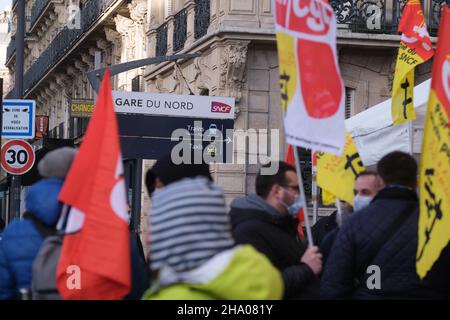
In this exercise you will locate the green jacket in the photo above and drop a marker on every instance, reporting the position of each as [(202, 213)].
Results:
[(241, 273)]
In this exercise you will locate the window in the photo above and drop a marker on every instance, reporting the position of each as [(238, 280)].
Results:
[(349, 102)]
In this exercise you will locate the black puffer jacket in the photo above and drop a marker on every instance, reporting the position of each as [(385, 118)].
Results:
[(355, 245), (255, 222)]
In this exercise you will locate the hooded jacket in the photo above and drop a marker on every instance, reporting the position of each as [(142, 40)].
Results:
[(257, 223), (22, 241), (240, 273)]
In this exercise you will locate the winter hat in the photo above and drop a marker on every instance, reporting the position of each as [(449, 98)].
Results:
[(168, 172), (188, 225), (56, 163)]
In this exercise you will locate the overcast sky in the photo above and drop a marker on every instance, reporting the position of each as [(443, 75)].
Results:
[(4, 3)]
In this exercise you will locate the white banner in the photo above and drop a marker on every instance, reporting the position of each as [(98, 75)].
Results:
[(311, 87), (174, 105)]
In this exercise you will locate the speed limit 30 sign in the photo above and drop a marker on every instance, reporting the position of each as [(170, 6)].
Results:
[(17, 157)]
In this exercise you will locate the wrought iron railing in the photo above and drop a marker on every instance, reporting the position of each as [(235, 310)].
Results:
[(161, 40), (179, 30), (64, 41), (435, 14), (11, 49), (364, 16), (36, 10), (10, 95), (202, 18), (379, 16)]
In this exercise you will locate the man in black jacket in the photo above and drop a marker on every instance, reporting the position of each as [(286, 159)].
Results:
[(374, 254), (264, 221)]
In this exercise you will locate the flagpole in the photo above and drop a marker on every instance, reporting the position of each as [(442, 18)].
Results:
[(339, 212), (314, 190), (302, 195), (411, 137)]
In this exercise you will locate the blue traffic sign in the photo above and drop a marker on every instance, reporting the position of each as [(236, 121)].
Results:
[(18, 119)]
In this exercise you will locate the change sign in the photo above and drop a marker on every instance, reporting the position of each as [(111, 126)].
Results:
[(18, 119), (81, 108)]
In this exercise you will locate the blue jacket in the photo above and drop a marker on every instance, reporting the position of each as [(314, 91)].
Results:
[(396, 259), (21, 240)]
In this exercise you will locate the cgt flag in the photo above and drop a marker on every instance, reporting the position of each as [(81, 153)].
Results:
[(336, 175), (312, 90), (96, 246), (415, 48), (434, 220)]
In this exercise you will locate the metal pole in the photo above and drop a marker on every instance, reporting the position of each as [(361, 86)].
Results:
[(314, 189), (1, 132), (411, 137), (302, 194), (20, 55), (1, 112), (137, 192), (339, 212)]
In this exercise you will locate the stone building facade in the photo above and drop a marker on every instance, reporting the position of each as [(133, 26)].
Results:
[(236, 40)]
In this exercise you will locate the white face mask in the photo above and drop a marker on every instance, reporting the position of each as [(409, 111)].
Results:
[(360, 202)]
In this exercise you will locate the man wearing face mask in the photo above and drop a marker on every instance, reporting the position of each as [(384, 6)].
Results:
[(381, 236), (267, 221), (367, 185)]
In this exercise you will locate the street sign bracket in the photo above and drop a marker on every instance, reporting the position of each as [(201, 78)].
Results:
[(96, 75)]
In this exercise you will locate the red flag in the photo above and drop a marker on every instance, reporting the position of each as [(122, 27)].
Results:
[(301, 218), (95, 256)]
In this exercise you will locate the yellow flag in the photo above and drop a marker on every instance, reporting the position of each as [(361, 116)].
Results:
[(328, 198), (415, 48), (434, 180), (337, 174)]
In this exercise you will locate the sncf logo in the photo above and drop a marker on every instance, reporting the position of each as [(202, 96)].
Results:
[(220, 107)]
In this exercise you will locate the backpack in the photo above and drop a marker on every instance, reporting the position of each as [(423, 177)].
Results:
[(43, 274), (43, 284), (46, 232)]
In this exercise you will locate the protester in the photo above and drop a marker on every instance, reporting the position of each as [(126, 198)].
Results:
[(328, 224), (192, 252), (382, 235), (22, 239), (266, 221), (165, 171), (367, 185)]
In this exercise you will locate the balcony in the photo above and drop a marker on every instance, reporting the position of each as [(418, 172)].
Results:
[(202, 18), (37, 10), (64, 41), (161, 40), (10, 50), (380, 16), (179, 30), (435, 14), (187, 25)]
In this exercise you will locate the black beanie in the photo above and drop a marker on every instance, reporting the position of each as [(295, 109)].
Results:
[(168, 172)]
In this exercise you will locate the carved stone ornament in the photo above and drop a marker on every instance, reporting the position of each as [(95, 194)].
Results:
[(138, 11), (201, 76), (232, 70)]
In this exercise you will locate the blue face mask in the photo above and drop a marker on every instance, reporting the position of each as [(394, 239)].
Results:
[(294, 207), (360, 202)]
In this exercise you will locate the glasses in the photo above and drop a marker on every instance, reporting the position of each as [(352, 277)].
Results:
[(293, 188)]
